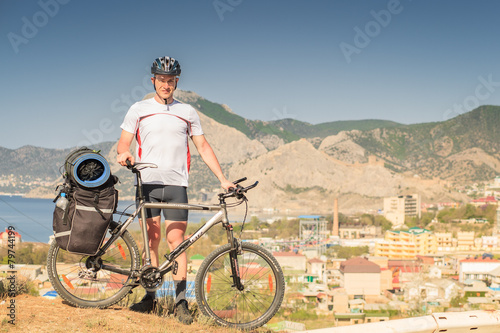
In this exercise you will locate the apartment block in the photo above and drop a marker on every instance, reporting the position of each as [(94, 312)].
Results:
[(396, 208), (444, 240), (465, 240), (407, 244)]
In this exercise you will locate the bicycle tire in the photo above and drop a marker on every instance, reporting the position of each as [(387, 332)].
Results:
[(256, 304), (66, 273)]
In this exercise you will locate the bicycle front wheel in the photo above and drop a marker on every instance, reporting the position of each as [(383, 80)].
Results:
[(252, 307), (89, 281)]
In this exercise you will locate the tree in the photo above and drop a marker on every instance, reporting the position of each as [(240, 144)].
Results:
[(347, 252), (380, 220)]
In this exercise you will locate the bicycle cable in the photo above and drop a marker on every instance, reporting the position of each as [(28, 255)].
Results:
[(244, 217), (124, 212)]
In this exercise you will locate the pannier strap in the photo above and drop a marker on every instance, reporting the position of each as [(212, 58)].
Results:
[(96, 203), (93, 209)]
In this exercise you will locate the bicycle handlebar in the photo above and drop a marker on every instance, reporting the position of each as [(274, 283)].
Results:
[(240, 180), (239, 191)]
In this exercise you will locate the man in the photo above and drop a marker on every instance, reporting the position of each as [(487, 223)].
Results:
[(161, 127)]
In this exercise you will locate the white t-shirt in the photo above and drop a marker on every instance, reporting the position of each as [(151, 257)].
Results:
[(162, 133)]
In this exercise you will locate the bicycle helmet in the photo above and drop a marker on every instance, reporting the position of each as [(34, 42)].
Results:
[(166, 66)]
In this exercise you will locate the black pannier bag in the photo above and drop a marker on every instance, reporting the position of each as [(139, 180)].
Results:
[(92, 199)]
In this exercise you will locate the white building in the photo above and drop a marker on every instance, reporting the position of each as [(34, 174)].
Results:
[(291, 260), (476, 269), (396, 208)]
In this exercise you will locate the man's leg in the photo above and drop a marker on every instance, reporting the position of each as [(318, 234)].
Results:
[(154, 234), (175, 235)]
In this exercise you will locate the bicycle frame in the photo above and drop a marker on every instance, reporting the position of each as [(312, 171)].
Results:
[(243, 297), (166, 266)]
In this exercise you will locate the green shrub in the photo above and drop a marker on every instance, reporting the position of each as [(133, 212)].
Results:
[(303, 315)]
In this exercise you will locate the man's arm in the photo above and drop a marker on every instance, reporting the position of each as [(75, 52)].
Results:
[(123, 148), (208, 156)]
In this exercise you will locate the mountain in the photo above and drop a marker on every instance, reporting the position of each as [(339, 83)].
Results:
[(299, 177), (465, 148), (275, 133), (303, 167), (306, 130)]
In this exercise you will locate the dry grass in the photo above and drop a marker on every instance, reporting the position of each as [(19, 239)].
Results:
[(38, 314)]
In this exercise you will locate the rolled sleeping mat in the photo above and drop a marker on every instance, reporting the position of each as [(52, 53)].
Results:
[(87, 168)]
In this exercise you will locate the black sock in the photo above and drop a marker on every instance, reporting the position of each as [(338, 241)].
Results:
[(180, 290)]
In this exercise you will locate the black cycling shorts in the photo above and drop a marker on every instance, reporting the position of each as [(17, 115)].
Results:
[(169, 194)]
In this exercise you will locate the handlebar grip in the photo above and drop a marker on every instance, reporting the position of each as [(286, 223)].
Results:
[(240, 180), (129, 165), (251, 186)]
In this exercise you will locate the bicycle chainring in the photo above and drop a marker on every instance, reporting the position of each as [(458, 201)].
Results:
[(150, 278)]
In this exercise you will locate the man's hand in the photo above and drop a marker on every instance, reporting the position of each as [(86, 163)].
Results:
[(123, 157), (226, 184)]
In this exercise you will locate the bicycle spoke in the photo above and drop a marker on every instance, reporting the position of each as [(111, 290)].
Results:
[(248, 308), (94, 281)]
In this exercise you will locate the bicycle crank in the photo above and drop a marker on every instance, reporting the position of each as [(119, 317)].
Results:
[(150, 278)]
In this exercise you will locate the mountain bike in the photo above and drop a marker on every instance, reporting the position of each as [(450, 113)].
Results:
[(239, 284)]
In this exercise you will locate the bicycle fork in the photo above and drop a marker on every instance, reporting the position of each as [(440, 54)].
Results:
[(233, 255)]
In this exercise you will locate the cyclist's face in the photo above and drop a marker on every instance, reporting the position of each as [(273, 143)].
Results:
[(165, 85)]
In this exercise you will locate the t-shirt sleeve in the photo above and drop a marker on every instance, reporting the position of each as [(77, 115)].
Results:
[(195, 123), (130, 122)]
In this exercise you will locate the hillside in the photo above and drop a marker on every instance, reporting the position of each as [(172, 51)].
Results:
[(281, 131), (300, 178), (465, 148), (306, 130), (304, 167)]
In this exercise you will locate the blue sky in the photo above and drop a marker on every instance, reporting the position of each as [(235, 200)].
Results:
[(70, 68)]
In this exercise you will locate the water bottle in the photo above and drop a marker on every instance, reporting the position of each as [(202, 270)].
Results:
[(62, 202)]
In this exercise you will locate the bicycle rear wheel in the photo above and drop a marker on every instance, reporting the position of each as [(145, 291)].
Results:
[(252, 307), (87, 281)]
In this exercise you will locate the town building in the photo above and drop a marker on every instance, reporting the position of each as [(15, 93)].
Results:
[(291, 261), (493, 189), (316, 267), (356, 231), (400, 244), (465, 240), (396, 208), (478, 269), (444, 240), (360, 277), (489, 200)]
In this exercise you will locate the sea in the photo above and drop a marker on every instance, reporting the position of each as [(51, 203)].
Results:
[(32, 218)]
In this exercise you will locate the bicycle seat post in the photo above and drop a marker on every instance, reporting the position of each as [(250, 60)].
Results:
[(140, 193)]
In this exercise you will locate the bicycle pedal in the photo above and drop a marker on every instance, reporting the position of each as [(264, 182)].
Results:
[(175, 267)]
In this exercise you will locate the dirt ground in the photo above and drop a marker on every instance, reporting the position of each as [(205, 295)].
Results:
[(38, 314)]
